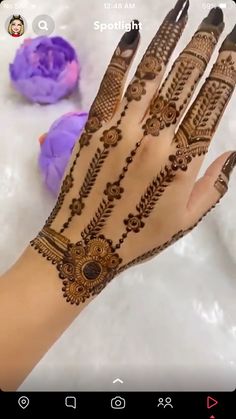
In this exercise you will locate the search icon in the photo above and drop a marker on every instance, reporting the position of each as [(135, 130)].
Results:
[(43, 25)]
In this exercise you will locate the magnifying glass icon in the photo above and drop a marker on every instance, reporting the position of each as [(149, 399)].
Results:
[(43, 25)]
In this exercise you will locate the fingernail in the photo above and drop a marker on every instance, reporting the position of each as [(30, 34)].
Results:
[(229, 165), (179, 11), (131, 36), (221, 183), (215, 17), (214, 22), (229, 43), (232, 35)]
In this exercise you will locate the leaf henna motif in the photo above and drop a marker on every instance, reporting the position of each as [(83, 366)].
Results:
[(154, 191), (97, 223)]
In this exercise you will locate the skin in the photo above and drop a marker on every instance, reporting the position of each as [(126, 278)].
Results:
[(135, 192), (16, 26)]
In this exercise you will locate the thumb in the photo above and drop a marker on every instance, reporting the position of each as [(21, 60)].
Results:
[(210, 188)]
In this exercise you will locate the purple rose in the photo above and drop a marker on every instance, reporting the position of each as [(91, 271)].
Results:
[(57, 146), (45, 69)]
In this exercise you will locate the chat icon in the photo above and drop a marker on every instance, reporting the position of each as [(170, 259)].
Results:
[(70, 401)]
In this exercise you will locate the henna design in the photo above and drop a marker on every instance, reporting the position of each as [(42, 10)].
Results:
[(92, 125), (158, 48), (97, 223), (159, 51), (135, 90), (221, 184), (104, 105), (92, 172), (167, 106), (112, 191), (85, 268), (110, 90), (163, 44), (195, 133), (110, 138), (50, 244), (155, 251), (147, 203)]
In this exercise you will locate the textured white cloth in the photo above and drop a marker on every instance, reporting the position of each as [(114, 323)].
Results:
[(169, 324)]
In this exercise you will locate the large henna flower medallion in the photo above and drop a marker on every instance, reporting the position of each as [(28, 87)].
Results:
[(87, 268)]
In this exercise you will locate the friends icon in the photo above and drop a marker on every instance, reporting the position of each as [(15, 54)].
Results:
[(166, 403)]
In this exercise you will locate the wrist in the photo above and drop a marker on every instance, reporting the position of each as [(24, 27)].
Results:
[(84, 268), (33, 315)]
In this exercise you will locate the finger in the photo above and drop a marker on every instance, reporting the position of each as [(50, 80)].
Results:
[(209, 189), (151, 69), (169, 105), (112, 85), (198, 127)]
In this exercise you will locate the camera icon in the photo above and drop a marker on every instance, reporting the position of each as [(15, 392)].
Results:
[(118, 403)]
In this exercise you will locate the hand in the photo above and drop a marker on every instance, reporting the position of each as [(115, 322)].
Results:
[(130, 189)]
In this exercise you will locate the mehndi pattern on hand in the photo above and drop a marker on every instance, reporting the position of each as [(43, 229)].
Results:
[(88, 265)]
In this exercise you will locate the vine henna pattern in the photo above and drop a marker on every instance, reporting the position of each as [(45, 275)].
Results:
[(102, 108), (87, 266), (159, 51)]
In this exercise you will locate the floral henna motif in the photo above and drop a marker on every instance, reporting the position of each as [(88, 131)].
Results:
[(135, 90), (76, 206), (163, 114), (85, 268), (111, 137), (113, 191)]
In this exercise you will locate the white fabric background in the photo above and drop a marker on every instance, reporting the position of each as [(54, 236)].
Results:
[(169, 324)]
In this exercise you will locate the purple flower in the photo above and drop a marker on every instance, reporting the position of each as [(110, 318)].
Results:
[(45, 69), (57, 146)]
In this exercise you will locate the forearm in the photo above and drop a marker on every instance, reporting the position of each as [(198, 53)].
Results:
[(33, 315)]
